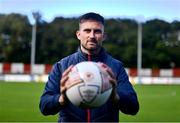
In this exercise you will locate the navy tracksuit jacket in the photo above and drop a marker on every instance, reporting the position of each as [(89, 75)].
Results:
[(108, 112)]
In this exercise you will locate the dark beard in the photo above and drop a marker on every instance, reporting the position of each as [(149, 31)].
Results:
[(92, 50)]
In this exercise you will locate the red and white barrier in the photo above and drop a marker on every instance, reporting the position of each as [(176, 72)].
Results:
[(17, 68), (147, 72), (155, 80), (21, 72), (20, 68), (166, 72), (24, 78), (1, 68), (40, 69)]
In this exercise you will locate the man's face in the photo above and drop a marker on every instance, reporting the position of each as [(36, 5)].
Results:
[(91, 36)]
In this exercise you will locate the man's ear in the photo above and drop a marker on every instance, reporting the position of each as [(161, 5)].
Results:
[(104, 36), (78, 34)]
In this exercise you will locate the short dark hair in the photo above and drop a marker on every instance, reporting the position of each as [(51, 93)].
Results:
[(91, 16)]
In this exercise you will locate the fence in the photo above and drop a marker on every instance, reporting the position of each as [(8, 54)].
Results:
[(21, 72)]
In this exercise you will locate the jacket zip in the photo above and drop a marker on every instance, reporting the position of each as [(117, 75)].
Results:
[(88, 110)]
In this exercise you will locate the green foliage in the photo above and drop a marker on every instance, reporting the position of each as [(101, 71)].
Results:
[(15, 38), (57, 39)]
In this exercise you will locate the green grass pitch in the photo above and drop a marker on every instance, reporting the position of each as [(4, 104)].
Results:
[(20, 102)]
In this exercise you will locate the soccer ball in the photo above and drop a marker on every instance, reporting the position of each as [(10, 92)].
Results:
[(89, 86)]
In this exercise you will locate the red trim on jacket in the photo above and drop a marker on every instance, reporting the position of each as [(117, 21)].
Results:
[(88, 110)]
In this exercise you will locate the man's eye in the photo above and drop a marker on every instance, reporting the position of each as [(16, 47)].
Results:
[(87, 30), (98, 31)]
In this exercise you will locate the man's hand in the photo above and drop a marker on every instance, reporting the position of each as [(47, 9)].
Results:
[(63, 88), (112, 80)]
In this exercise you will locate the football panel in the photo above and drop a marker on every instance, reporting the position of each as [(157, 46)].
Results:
[(89, 72), (73, 95), (101, 98)]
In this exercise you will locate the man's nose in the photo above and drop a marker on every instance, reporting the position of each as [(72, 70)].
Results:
[(92, 34)]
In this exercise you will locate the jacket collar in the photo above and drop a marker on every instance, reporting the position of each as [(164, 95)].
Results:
[(97, 58)]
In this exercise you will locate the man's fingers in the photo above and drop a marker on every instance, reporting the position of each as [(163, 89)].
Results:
[(113, 82), (110, 72), (63, 80), (66, 72), (62, 99), (108, 69), (74, 82), (112, 78), (63, 90), (65, 76)]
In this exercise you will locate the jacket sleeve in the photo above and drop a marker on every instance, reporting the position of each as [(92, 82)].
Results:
[(128, 102), (49, 101)]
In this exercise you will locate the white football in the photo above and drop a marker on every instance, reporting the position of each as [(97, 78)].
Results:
[(89, 85)]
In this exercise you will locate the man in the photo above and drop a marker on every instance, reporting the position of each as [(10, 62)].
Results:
[(123, 97)]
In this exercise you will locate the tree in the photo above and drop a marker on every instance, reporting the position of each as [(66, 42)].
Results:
[(17, 27), (57, 39)]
